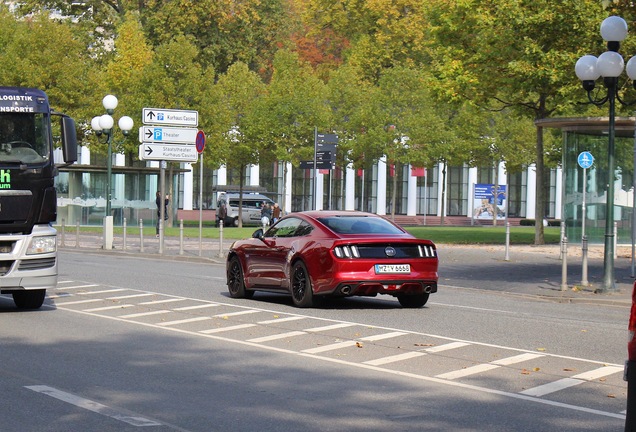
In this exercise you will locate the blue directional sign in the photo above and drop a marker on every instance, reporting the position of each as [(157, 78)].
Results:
[(585, 159)]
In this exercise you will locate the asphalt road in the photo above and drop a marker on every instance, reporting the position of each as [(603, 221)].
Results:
[(128, 341)]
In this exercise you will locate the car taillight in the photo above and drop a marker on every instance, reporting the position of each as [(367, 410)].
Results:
[(346, 251), (631, 341)]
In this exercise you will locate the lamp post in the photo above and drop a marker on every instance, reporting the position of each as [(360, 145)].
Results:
[(608, 65), (103, 125)]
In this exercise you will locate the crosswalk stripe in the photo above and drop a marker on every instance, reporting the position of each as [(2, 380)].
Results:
[(244, 312), (183, 321), (460, 373), (382, 336), (105, 308), (142, 314), (77, 302), (446, 347), (163, 301), (187, 308), (279, 320), (129, 296), (552, 387), (330, 347), (329, 327), (598, 373)]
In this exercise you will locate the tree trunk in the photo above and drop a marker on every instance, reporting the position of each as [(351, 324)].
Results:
[(241, 183)]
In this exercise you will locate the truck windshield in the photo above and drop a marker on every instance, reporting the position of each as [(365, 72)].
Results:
[(24, 138)]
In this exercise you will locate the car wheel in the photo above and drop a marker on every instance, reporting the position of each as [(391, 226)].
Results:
[(236, 221), (236, 281), (29, 299), (413, 300), (302, 293)]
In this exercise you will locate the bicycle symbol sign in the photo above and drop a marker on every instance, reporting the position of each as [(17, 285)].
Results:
[(585, 159)]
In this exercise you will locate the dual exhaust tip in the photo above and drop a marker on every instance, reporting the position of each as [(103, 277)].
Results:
[(347, 289)]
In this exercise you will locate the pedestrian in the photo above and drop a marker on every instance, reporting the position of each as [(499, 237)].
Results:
[(266, 214), (275, 213), (165, 209), (221, 213)]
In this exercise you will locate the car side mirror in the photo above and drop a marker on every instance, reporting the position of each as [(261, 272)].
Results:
[(258, 234)]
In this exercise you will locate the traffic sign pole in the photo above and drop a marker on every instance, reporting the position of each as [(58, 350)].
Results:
[(585, 161)]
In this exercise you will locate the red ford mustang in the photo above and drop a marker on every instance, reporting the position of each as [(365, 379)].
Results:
[(334, 253)]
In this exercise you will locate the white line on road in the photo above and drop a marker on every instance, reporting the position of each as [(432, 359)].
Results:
[(143, 314), (184, 321), (105, 308), (244, 312), (564, 383), (277, 336), (446, 347), (201, 306), (230, 328), (93, 406), (484, 367), (278, 320), (394, 358), (330, 327)]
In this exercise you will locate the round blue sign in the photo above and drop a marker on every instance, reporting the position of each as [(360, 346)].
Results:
[(200, 141), (585, 159)]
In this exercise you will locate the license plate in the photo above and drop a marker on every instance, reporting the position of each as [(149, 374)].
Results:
[(392, 268)]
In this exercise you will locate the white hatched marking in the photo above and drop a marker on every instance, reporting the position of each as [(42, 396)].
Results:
[(564, 383), (488, 366), (62, 295), (103, 291), (245, 312), (517, 359), (598, 373), (80, 286), (330, 347), (394, 358), (277, 320), (330, 327), (105, 308), (141, 314), (92, 406), (230, 328), (187, 308), (77, 302), (552, 387), (277, 336), (163, 301), (130, 296), (183, 321), (467, 371), (382, 336), (446, 347)]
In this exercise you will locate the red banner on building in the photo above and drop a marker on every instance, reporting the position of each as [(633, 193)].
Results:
[(418, 172)]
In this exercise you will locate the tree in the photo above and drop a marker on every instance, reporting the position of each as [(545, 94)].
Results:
[(517, 55), (236, 95)]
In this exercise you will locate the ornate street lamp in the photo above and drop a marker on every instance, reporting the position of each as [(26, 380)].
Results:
[(104, 125), (608, 65)]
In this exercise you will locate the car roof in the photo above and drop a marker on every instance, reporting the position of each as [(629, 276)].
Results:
[(315, 215)]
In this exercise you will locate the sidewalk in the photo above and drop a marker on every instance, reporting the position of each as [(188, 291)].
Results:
[(534, 271)]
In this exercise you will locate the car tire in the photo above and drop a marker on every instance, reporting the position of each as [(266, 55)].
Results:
[(236, 281), (235, 222), (413, 301), (301, 290), (29, 299)]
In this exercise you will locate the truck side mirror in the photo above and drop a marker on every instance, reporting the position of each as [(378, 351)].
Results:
[(69, 139)]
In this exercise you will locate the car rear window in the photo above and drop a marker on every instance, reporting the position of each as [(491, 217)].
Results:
[(359, 225)]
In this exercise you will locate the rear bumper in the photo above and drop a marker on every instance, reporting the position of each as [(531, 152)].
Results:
[(393, 287)]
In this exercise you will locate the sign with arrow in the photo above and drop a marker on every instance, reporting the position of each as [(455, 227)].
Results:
[(168, 152), (173, 117), (148, 134)]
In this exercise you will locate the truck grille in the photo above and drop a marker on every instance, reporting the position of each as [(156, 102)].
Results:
[(37, 264), (6, 246)]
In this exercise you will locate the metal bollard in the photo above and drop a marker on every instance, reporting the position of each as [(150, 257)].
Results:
[(507, 257), (181, 237), (77, 233), (125, 237), (584, 281), (221, 238), (564, 266), (141, 235), (62, 234), (562, 237), (615, 240)]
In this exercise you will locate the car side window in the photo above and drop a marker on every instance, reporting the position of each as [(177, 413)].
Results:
[(303, 229), (284, 228)]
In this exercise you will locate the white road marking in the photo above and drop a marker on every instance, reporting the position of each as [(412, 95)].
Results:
[(278, 320), (162, 301), (456, 343), (78, 302), (244, 312), (129, 296), (564, 383), (382, 336), (230, 328), (446, 347), (79, 286), (184, 321), (484, 367), (93, 406), (103, 291), (277, 336), (105, 308), (330, 327), (394, 358), (142, 314), (201, 306), (330, 347)]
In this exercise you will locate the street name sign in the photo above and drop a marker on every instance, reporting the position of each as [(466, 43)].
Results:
[(162, 116), (168, 151), (150, 134)]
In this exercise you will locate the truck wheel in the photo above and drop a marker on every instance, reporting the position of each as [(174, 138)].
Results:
[(236, 221), (29, 299)]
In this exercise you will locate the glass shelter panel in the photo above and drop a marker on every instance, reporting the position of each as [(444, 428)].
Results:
[(591, 185)]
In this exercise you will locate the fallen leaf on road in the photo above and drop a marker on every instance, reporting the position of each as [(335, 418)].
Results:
[(568, 370), (611, 396), (358, 344), (525, 372), (540, 349), (422, 344)]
